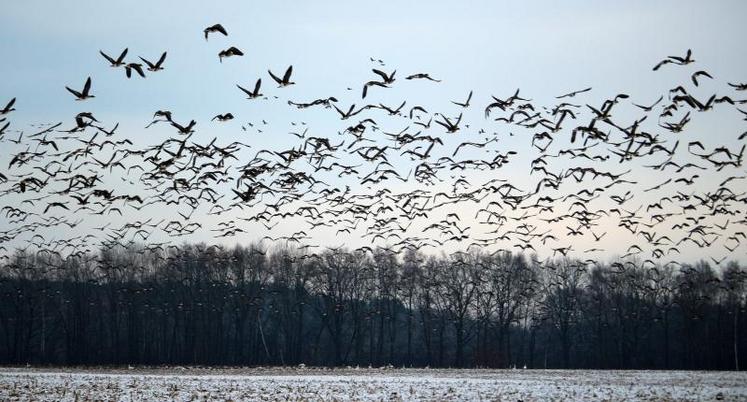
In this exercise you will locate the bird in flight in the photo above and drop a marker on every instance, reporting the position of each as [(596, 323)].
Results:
[(155, 66), (697, 74), (387, 79), (223, 117), (8, 108), (450, 127), (85, 94), (182, 129), (215, 28), (421, 76), (649, 108), (286, 78), (252, 94), (370, 84), (231, 51), (465, 104), (137, 67), (119, 62), (681, 61), (574, 93)]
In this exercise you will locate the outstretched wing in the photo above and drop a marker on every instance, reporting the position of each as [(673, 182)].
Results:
[(278, 80), (381, 74), (246, 91), (161, 60), (74, 92), (106, 56), (10, 104), (87, 86), (151, 65), (122, 56)]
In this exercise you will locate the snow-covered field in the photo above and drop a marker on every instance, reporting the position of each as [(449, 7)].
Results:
[(301, 384)]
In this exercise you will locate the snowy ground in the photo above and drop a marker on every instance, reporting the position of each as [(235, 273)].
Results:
[(300, 384)]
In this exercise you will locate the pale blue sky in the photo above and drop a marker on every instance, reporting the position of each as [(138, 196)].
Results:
[(545, 48)]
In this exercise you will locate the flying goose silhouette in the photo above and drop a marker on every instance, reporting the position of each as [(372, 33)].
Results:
[(85, 94), (286, 78), (157, 65), (215, 28)]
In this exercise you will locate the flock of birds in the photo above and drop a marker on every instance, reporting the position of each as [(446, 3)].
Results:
[(583, 162)]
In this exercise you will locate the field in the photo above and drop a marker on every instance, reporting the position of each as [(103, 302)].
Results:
[(302, 384)]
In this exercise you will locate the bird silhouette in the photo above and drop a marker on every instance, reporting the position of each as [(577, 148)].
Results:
[(230, 52), (214, 28), (286, 77), (85, 93), (157, 66), (118, 62), (252, 94)]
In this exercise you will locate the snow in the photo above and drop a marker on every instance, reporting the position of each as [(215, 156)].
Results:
[(302, 384)]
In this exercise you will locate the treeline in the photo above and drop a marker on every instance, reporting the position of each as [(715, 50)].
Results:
[(203, 305)]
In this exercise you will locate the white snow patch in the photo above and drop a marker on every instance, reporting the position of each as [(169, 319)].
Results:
[(301, 384)]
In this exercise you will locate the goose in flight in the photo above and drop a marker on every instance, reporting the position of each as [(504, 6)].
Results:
[(8, 108), (681, 61), (215, 28), (155, 66), (421, 76), (231, 51), (649, 108), (223, 117), (697, 74), (349, 113), (85, 94), (465, 104), (252, 94), (286, 77), (370, 84), (182, 129), (118, 62), (387, 79), (574, 93), (137, 67), (450, 127)]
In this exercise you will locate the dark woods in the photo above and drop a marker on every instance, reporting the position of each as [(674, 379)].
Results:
[(248, 306)]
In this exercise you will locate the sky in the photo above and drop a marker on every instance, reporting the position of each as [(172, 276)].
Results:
[(546, 48)]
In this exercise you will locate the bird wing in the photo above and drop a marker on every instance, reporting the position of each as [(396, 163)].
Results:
[(161, 60), (151, 65), (381, 74), (246, 91), (87, 86), (122, 56), (274, 77), (139, 70), (107, 57), (257, 86), (74, 92), (288, 73)]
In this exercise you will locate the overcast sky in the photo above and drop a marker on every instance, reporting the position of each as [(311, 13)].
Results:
[(545, 48)]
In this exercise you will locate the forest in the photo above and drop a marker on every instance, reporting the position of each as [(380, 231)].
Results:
[(196, 304)]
